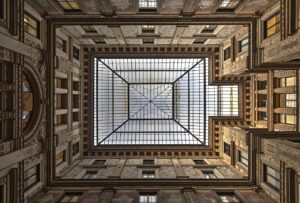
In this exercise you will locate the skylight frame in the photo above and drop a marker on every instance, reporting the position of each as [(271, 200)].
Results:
[(208, 139)]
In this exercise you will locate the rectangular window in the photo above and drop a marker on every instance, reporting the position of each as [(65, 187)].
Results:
[(209, 28), (244, 44), (227, 148), (99, 41), (148, 174), (287, 119), (2, 9), (148, 41), (262, 100), (243, 157), (209, 174), (228, 197), (290, 100), (288, 81), (227, 53), (262, 85), (1, 193), (148, 29), (70, 197), (272, 25), (199, 162), (60, 158), (271, 177), (69, 5), (76, 53), (75, 148), (148, 161), (89, 29), (61, 44), (31, 25), (200, 40), (99, 162), (148, 197), (262, 116), (90, 175), (147, 5), (229, 5), (31, 176)]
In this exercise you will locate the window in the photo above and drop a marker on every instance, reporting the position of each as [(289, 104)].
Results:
[(262, 100), (209, 28), (147, 3), (262, 85), (75, 53), (31, 176), (2, 9), (148, 198), (243, 157), (70, 197), (28, 101), (89, 29), (61, 44), (1, 193), (262, 116), (60, 158), (31, 25), (148, 162), (200, 40), (69, 5), (227, 53), (148, 41), (90, 175), (290, 100), (99, 162), (228, 5), (227, 148), (75, 148), (243, 44), (287, 119), (288, 81), (272, 25), (271, 177), (148, 28), (209, 174), (99, 41), (148, 174), (199, 162), (228, 197)]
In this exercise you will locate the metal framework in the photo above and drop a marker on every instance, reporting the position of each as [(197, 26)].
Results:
[(156, 101)]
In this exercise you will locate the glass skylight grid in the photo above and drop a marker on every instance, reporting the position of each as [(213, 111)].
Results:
[(157, 101)]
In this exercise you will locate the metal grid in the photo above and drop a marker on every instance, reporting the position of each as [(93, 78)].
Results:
[(157, 101)]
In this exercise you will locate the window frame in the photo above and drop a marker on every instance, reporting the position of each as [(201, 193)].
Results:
[(76, 143), (36, 29), (227, 53), (37, 174), (243, 47), (89, 28), (64, 44), (265, 177), (147, 8), (63, 158), (148, 174), (209, 28), (225, 146), (147, 195), (277, 23), (241, 158), (148, 162)]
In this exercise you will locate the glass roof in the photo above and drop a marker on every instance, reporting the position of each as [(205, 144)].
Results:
[(156, 101)]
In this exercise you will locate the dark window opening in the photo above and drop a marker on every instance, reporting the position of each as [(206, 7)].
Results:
[(209, 174), (148, 162), (76, 53), (148, 29), (262, 85), (2, 11), (148, 41), (148, 174), (199, 162), (227, 53), (262, 116), (243, 157), (227, 149), (99, 162), (60, 158), (200, 40), (209, 28), (75, 148)]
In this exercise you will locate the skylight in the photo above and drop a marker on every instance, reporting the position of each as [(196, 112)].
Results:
[(156, 101)]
